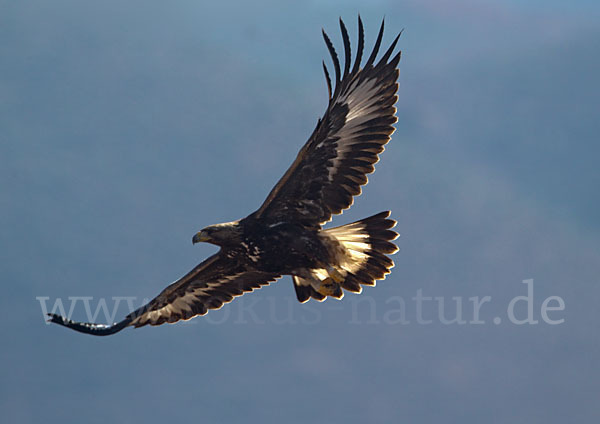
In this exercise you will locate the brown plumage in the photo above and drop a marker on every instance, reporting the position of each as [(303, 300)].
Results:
[(284, 236)]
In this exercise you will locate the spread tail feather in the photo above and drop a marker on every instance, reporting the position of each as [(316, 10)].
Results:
[(361, 259)]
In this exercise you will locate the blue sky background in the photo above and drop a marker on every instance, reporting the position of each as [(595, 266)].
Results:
[(125, 127)]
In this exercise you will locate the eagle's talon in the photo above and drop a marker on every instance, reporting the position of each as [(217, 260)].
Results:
[(328, 287)]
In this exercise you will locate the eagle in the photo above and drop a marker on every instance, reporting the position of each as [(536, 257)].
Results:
[(285, 236)]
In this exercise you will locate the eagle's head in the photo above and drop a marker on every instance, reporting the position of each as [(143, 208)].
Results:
[(227, 233)]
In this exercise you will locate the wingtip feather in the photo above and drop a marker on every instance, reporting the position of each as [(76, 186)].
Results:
[(371, 59), (347, 49), (334, 57)]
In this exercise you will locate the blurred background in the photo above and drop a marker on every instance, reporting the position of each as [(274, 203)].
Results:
[(125, 127)]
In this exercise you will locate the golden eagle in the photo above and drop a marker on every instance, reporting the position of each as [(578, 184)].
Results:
[(284, 236)]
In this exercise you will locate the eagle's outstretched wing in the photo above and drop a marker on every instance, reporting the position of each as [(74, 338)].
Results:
[(214, 282), (333, 165)]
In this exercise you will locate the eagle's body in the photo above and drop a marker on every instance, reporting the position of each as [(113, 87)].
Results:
[(282, 247), (285, 235), (271, 247)]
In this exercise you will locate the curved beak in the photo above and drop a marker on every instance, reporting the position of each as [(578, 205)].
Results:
[(200, 236)]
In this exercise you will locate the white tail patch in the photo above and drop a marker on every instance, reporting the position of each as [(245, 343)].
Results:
[(353, 248)]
